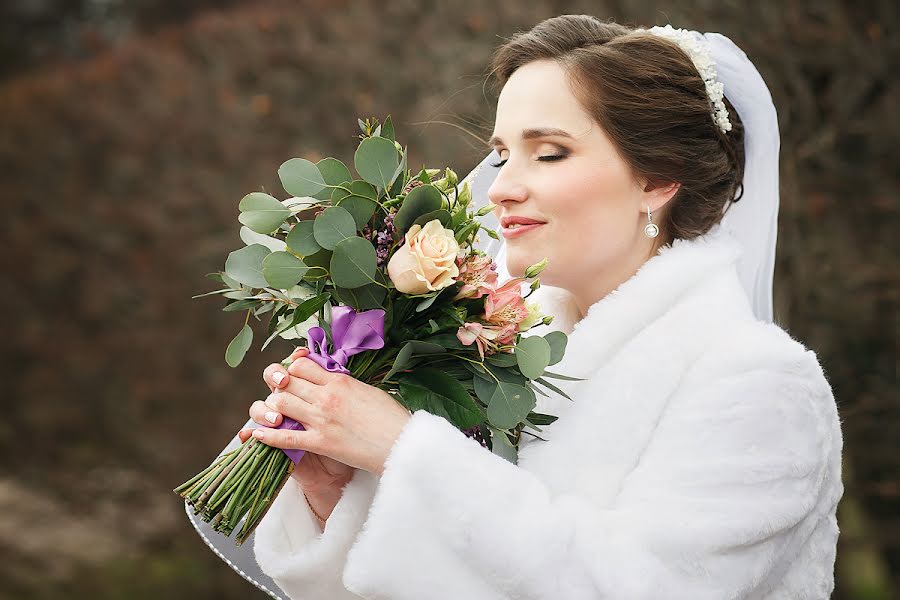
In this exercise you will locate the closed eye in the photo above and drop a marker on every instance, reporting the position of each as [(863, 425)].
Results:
[(550, 158)]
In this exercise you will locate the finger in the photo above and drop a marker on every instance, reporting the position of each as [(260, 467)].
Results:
[(309, 370), (275, 376), (289, 405), (304, 390), (298, 352), (287, 439), (264, 415), (245, 434)]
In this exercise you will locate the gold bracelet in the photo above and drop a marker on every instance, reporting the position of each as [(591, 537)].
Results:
[(321, 520)]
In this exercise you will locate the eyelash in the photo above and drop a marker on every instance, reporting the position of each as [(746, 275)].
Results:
[(552, 158)]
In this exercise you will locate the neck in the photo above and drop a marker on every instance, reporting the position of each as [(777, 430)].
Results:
[(588, 290)]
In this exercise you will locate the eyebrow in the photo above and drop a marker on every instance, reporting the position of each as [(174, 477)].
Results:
[(536, 132)]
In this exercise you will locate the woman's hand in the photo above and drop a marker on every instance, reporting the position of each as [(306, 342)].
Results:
[(316, 474), (346, 420)]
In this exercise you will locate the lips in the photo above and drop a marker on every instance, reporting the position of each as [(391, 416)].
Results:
[(507, 222), (516, 226)]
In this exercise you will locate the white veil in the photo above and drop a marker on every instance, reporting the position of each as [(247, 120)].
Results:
[(752, 220)]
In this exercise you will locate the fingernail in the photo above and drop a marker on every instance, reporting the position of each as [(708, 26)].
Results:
[(278, 377), (271, 416), (258, 434)]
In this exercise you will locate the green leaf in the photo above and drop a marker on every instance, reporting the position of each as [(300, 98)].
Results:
[(441, 215), (410, 349), (239, 305), (549, 385), (533, 356), (375, 160), (419, 201), (318, 264), (245, 265), (510, 404), (250, 237), (283, 270), (440, 394), (541, 419), (563, 377), (333, 225), (261, 212), (354, 263), (361, 208), (399, 177), (502, 447), (304, 311), (557, 341), (363, 298), (301, 238), (502, 359), (300, 177), (334, 172), (387, 129), (238, 347)]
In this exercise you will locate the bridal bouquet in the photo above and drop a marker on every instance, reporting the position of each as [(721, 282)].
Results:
[(379, 274)]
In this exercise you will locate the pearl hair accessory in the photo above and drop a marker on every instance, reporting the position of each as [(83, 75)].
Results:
[(706, 66)]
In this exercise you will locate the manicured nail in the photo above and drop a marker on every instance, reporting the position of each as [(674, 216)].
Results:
[(277, 377), (258, 434), (271, 416)]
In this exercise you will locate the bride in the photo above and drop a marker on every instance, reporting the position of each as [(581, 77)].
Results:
[(701, 454)]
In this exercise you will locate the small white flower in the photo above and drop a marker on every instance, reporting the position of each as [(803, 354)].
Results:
[(706, 66)]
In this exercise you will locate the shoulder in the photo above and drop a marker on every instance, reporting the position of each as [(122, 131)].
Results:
[(759, 372)]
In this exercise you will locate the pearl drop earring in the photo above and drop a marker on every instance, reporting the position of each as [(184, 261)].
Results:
[(650, 229)]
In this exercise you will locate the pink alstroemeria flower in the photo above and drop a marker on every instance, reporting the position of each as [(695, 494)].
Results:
[(488, 338), (505, 305), (478, 273)]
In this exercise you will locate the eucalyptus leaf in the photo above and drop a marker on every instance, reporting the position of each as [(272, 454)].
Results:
[(361, 208), (510, 404), (354, 263), (332, 226), (557, 341), (502, 359), (239, 305), (283, 270), (375, 160), (302, 240), (245, 265), (419, 201), (550, 386), (212, 293), (238, 347), (261, 212), (387, 129), (301, 177), (502, 447), (334, 172), (319, 263), (533, 356), (250, 237)]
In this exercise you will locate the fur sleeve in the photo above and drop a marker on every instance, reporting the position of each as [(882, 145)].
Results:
[(723, 497), (291, 548)]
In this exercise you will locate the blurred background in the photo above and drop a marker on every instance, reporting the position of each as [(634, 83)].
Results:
[(129, 131)]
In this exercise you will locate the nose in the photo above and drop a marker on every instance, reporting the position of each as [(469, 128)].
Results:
[(507, 187)]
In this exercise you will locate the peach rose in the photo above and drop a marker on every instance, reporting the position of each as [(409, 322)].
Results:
[(427, 261)]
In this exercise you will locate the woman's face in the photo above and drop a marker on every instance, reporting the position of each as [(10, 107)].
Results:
[(572, 181)]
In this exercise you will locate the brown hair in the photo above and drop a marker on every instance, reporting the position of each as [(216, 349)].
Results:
[(650, 100)]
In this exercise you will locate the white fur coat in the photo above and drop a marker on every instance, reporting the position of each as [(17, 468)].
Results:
[(700, 459)]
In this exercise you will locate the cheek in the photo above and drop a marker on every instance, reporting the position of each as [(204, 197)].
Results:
[(591, 222)]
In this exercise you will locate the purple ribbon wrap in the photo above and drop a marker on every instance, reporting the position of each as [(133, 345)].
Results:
[(351, 333)]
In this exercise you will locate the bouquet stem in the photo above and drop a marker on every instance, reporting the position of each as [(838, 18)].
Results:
[(241, 483)]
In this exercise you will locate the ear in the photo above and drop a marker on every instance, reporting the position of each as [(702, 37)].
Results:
[(656, 196)]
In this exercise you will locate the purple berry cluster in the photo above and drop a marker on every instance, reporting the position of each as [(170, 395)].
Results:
[(475, 434), (384, 239)]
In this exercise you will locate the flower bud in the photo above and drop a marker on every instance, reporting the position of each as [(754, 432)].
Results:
[(485, 210), (535, 285), (548, 319), (535, 269), (451, 177)]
